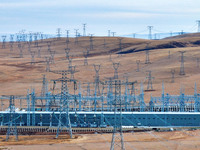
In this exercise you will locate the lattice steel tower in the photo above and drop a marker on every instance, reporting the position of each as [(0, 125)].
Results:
[(116, 66), (4, 41), (150, 32), (64, 102), (12, 127), (84, 29), (76, 36), (117, 136), (97, 80), (150, 81), (85, 54), (32, 57), (58, 33), (182, 71)]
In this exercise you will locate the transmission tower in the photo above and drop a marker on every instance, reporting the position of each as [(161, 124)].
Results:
[(85, 54), (91, 42), (147, 57), (44, 86), (113, 33), (30, 37), (138, 65), (150, 32), (84, 29), (58, 33), (198, 22), (11, 42), (67, 40), (134, 35), (20, 46), (32, 57), (49, 45), (47, 64), (116, 66), (97, 80), (72, 71), (198, 60), (12, 127), (29, 46), (52, 53), (182, 71), (76, 36), (64, 102), (108, 33), (173, 73), (36, 39), (67, 50), (117, 136), (4, 41), (150, 81)]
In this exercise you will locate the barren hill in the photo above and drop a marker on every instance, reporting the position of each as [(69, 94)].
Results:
[(23, 67)]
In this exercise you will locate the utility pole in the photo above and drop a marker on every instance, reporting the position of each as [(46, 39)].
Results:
[(84, 29), (150, 81), (150, 32), (182, 71)]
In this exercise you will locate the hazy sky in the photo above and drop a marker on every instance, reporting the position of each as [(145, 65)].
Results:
[(121, 16)]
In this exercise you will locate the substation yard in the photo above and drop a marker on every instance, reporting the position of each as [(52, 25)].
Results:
[(18, 75)]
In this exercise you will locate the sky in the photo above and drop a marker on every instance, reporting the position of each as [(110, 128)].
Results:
[(120, 16)]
